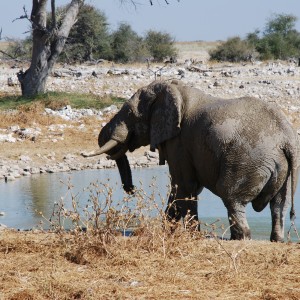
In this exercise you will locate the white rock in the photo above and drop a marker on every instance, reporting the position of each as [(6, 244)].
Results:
[(10, 178), (24, 158), (7, 138)]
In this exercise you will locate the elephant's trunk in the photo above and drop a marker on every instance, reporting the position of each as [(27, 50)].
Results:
[(125, 173), (105, 148)]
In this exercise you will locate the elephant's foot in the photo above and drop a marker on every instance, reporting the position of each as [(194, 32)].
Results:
[(239, 232), (239, 227), (277, 237)]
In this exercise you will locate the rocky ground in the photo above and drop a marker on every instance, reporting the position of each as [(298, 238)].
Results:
[(56, 146)]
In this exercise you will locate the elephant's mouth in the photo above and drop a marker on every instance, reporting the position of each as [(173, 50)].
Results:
[(118, 153)]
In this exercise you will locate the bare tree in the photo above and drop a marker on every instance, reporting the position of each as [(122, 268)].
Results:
[(47, 42)]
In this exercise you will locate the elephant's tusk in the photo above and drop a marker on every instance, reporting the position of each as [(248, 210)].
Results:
[(106, 147)]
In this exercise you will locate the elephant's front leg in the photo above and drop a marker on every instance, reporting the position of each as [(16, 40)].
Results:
[(239, 227), (182, 206)]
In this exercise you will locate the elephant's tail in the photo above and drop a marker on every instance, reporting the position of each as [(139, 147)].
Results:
[(292, 158)]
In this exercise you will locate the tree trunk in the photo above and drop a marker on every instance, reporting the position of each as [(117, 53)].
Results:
[(47, 45)]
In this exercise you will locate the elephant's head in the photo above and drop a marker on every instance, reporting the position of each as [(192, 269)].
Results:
[(151, 116)]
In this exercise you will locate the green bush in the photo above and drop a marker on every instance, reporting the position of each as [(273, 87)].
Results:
[(234, 50), (89, 38), (160, 45), (279, 40), (127, 46)]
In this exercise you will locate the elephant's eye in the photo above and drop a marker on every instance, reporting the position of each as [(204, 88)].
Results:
[(130, 113)]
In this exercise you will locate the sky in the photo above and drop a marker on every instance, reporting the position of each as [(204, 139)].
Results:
[(185, 20)]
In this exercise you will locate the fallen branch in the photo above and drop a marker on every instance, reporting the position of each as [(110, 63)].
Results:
[(10, 56), (197, 69)]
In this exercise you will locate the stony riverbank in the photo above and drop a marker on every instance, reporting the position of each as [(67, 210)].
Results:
[(25, 166), (34, 162)]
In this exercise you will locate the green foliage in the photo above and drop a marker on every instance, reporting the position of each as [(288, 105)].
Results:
[(89, 38), (126, 45), (279, 40), (280, 24), (234, 50), (160, 45)]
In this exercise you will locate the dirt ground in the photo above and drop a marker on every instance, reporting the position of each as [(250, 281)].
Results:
[(52, 147)]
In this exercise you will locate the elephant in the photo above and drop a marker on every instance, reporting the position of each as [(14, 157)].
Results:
[(242, 150)]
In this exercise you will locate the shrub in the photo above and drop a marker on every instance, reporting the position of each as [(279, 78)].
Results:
[(234, 50), (160, 45), (89, 38), (126, 45), (279, 40)]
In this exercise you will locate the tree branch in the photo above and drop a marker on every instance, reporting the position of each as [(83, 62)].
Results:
[(151, 2), (10, 56), (25, 16), (33, 18), (64, 29), (53, 13)]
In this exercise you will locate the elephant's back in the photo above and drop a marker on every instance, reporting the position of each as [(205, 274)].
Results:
[(243, 123)]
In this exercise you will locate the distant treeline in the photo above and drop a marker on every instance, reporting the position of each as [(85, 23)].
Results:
[(91, 39), (279, 40)]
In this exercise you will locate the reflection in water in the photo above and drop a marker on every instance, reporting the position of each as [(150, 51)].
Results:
[(38, 194), (23, 199)]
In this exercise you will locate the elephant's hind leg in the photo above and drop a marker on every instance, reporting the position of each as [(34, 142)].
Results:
[(272, 186), (279, 205), (239, 227)]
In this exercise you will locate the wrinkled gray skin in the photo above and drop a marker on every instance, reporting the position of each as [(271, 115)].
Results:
[(243, 150)]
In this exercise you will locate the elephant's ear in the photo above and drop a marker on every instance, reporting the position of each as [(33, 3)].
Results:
[(166, 113)]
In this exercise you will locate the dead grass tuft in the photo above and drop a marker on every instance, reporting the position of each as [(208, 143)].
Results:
[(56, 104), (28, 115)]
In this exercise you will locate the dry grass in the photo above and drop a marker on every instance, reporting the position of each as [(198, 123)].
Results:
[(46, 266), (197, 51), (4, 45), (73, 140), (28, 115)]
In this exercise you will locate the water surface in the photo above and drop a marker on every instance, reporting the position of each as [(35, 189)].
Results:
[(23, 200)]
